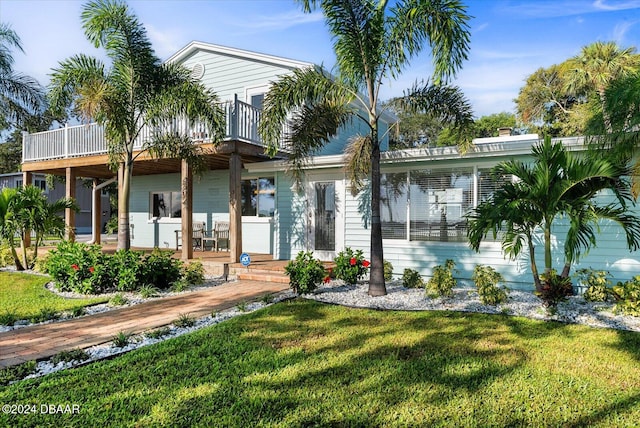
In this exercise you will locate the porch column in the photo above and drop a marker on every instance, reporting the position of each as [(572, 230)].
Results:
[(235, 207), (186, 188), (69, 213), (96, 195), (27, 178)]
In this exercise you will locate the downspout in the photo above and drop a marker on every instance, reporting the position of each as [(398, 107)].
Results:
[(94, 196)]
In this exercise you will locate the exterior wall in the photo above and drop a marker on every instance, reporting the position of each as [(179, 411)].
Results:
[(83, 199)]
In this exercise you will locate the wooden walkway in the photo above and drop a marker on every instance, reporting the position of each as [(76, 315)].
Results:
[(43, 341)]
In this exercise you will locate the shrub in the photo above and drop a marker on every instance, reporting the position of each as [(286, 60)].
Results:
[(597, 283), (388, 270), (148, 290), (627, 295), (487, 279), (242, 306), (70, 356), (184, 321), (121, 339), (554, 289), (111, 226), (118, 300), (193, 273), (412, 279), (160, 269), (158, 333), (180, 285), (350, 266), (305, 273), (128, 265), (78, 311), (442, 282), (6, 257), (79, 267)]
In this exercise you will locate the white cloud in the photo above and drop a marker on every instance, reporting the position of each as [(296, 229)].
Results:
[(280, 21), (165, 42), (556, 9), (621, 29), (616, 5)]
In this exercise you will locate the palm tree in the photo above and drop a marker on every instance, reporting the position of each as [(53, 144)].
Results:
[(135, 92), (20, 95), (373, 41), (557, 184), (27, 210), (596, 66)]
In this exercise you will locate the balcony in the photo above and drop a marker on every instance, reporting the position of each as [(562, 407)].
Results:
[(88, 140)]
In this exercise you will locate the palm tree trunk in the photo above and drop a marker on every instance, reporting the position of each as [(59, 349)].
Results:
[(23, 247), (16, 259), (534, 266), (376, 277), (124, 187), (566, 270), (548, 264)]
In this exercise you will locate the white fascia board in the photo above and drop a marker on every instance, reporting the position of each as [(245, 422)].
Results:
[(225, 50), (501, 149)]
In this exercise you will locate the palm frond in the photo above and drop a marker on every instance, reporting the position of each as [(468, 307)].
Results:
[(358, 161)]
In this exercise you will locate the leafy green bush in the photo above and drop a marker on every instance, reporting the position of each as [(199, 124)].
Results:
[(121, 339), (627, 295), (305, 272), (8, 318), (160, 269), (350, 266), (6, 257), (128, 266), (118, 300), (111, 226), (193, 272), (487, 279), (158, 333), (597, 282), (180, 285), (388, 270), (148, 290), (412, 279), (442, 282), (78, 267), (554, 289)]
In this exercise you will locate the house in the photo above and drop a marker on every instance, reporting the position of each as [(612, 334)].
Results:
[(83, 198), (425, 193)]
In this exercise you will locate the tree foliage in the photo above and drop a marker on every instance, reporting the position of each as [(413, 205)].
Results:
[(374, 40), (557, 184), (562, 98), (20, 95), (134, 92)]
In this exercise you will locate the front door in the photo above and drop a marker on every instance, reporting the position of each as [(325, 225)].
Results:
[(324, 219)]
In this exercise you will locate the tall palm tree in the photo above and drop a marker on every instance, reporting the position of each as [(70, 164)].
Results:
[(374, 41), (20, 95), (557, 184), (596, 66), (135, 92)]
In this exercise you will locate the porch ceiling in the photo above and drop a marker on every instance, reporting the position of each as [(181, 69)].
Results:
[(216, 157)]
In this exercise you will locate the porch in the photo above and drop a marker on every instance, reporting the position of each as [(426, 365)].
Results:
[(81, 152)]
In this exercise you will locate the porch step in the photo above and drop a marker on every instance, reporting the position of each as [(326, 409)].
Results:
[(264, 275)]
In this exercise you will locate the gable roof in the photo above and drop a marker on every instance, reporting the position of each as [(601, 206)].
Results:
[(195, 46)]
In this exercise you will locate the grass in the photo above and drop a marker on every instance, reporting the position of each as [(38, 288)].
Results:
[(303, 363), (25, 296)]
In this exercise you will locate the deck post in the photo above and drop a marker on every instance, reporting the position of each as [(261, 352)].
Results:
[(96, 199), (186, 188), (235, 207), (66, 140), (27, 178), (69, 213)]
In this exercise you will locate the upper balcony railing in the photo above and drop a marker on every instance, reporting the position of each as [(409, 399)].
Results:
[(242, 121)]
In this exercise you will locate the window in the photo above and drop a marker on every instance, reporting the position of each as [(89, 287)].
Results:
[(19, 183), (393, 205), (166, 204), (258, 197), (41, 184), (439, 200)]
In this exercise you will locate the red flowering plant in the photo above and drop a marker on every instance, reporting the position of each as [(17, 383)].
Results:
[(350, 265)]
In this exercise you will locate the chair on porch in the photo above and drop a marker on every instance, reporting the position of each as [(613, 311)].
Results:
[(198, 236), (219, 234)]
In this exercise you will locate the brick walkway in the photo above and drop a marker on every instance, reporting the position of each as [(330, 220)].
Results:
[(43, 341)]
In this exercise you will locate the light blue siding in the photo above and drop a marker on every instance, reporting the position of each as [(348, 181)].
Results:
[(290, 225)]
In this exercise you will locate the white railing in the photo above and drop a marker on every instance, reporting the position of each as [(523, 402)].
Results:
[(242, 122)]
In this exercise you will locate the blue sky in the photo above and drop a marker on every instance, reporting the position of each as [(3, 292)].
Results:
[(510, 39)]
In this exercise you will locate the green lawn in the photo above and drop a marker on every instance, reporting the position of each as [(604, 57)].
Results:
[(307, 364), (25, 296)]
